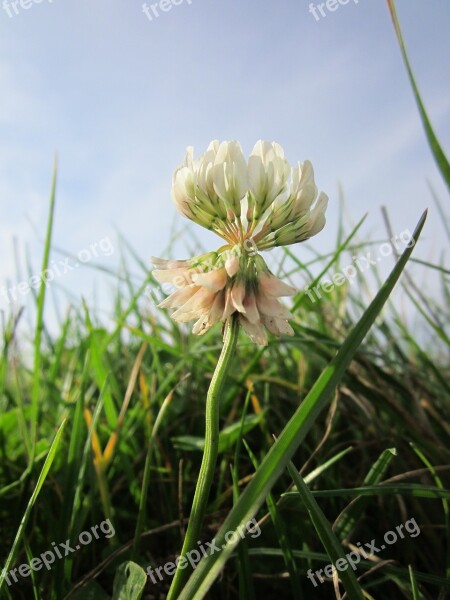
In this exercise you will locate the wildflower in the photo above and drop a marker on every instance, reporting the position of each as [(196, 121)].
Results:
[(252, 205)]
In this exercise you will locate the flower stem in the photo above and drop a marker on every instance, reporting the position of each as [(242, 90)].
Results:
[(208, 466)]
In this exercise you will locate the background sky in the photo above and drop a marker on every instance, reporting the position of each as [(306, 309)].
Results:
[(119, 97)]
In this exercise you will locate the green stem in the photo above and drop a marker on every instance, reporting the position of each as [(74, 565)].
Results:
[(208, 466)]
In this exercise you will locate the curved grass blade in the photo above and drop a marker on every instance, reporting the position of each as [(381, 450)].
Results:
[(436, 149), (407, 489), (23, 523), (291, 437)]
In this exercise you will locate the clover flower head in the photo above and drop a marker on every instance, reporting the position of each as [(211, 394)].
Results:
[(253, 205)]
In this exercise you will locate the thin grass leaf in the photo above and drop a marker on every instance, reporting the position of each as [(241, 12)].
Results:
[(326, 465), (36, 389), (407, 489), (436, 149), (23, 523)]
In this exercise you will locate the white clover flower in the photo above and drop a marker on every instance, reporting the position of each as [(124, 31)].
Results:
[(253, 205)]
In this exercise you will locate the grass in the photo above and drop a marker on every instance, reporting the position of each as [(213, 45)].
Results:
[(329, 440), (132, 400)]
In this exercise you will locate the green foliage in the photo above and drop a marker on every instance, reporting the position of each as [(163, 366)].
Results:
[(129, 582), (153, 376)]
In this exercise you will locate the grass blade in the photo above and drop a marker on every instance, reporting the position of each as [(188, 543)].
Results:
[(407, 489), (40, 322), (23, 523), (436, 149)]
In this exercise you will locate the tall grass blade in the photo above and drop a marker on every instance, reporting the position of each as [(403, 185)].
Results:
[(23, 523), (35, 394), (436, 149)]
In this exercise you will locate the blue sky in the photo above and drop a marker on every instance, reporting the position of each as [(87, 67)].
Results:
[(120, 97)]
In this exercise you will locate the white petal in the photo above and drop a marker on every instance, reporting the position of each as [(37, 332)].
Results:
[(210, 318), (251, 310), (255, 171), (179, 297), (183, 188), (237, 295), (277, 326), (178, 277), (255, 331), (268, 172), (185, 316), (162, 263), (317, 219), (284, 327), (216, 312), (271, 307), (201, 326), (273, 286), (239, 170), (214, 280), (229, 306), (214, 146), (232, 265), (202, 300), (230, 174)]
